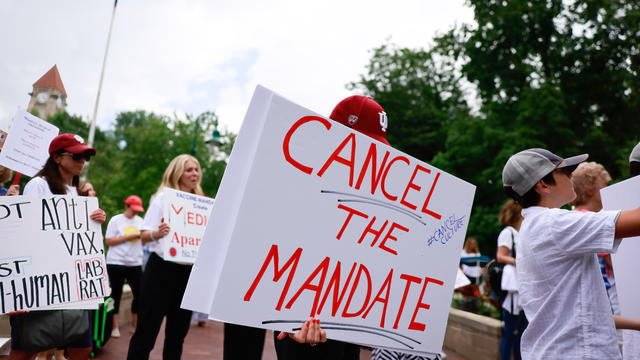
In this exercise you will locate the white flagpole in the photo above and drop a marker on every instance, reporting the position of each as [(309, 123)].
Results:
[(92, 129)]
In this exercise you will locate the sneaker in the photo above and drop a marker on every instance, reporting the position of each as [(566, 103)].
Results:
[(115, 333)]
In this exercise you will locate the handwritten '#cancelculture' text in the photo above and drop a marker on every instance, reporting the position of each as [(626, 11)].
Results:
[(446, 231)]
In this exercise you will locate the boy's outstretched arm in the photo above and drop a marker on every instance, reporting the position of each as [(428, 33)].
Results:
[(628, 224)]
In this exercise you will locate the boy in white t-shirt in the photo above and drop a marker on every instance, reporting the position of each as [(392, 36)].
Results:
[(560, 284), (124, 258)]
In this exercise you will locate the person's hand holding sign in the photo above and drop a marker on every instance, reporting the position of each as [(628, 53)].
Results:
[(310, 333), (99, 216), (153, 235)]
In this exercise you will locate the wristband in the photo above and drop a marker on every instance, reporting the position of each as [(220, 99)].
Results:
[(151, 235)]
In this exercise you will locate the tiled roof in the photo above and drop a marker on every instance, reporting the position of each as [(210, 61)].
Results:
[(51, 79)]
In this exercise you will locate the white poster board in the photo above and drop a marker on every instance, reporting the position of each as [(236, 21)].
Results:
[(51, 255), (313, 219), (187, 215), (26, 147), (625, 195)]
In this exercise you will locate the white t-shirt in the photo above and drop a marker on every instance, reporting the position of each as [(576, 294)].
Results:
[(561, 287), (39, 186), (128, 253), (507, 238), (152, 219)]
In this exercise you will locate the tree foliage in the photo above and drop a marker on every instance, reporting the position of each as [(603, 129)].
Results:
[(132, 156), (554, 74)]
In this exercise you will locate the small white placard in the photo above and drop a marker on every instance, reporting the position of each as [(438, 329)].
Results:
[(26, 147), (187, 214)]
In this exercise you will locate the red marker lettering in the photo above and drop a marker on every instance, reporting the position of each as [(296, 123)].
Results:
[(287, 140), (411, 185), (414, 325), (410, 279), (322, 268), (372, 158), (386, 286), (346, 221), (361, 270), (384, 176), (277, 273), (351, 138), (390, 236), (334, 284), (426, 202)]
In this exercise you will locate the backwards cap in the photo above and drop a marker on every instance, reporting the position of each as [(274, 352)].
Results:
[(363, 114), (524, 169)]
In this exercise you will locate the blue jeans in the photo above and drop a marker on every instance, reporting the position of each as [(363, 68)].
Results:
[(514, 326)]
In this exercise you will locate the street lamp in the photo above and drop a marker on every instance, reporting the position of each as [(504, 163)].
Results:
[(215, 140)]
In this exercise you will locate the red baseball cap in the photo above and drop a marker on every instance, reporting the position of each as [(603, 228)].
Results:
[(135, 202), (363, 114), (71, 143)]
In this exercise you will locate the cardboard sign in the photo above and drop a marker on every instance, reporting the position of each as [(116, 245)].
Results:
[(625, 196), (26, 147), (313, 219), (52, 253), (187, 215)]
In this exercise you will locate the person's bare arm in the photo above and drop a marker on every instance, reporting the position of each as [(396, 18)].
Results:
[(626, 323), (503, 256), (628, 224), (120, 239)]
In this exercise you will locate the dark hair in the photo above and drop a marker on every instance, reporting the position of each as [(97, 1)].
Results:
[(531, 197), (51, 173), (634, 168)]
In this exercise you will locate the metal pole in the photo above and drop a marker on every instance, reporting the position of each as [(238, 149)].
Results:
[(195, 136), (92, 129)]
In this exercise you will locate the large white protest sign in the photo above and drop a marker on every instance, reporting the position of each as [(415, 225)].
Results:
[(313, 219), (187, 215), (52, 254), (26, 147), (625, 195)]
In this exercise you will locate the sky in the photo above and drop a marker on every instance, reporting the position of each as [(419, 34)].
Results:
[(176, 57)]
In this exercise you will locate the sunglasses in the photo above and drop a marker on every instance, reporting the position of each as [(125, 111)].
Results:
[(85, 156)]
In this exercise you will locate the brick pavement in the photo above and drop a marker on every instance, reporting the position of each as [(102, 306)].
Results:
[(204, 343)]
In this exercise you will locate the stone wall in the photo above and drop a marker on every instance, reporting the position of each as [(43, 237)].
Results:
[(473, 336)]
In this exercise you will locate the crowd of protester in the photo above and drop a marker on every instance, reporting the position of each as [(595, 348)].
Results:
[(559, 294)]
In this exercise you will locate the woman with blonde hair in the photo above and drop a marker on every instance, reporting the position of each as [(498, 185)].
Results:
[(164, 282), (471, 249), (513, 316)]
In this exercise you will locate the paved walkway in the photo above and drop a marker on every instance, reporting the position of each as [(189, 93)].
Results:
[(204, 343)]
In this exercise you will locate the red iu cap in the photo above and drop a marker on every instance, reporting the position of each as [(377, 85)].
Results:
[(71, 143), (135, 202), (363, 114)]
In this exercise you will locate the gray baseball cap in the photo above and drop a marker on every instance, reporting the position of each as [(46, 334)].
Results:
[(524, 169), (635, 154)]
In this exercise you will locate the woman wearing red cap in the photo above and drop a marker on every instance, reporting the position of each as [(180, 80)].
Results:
[(164, 282), (60, 175), (124, 258)]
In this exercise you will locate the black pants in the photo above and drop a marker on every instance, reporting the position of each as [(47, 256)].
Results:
[(243, 342), (163, 285), (288, 349), (117, 275)]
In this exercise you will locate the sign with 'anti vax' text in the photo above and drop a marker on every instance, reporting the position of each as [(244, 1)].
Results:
[(313, 219), (187, 215), (52, 253)]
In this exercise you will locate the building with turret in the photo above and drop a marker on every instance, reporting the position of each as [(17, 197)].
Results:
[(48, 96)]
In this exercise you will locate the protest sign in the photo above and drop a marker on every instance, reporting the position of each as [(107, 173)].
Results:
[(187, 215), (625, 196), (26, 147), (313, 219), (52, 253)]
